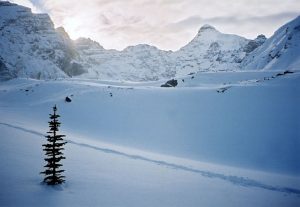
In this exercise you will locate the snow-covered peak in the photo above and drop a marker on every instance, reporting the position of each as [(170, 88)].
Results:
[(11, 11), (62, 32), (139, 47), (289, 27), (211, 50), (209, 36), (206, 28), (9, 4), (31, 47), (87, 43), (279, 52), (207, 33)]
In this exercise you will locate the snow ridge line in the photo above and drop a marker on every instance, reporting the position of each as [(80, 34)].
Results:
[(236, 180)]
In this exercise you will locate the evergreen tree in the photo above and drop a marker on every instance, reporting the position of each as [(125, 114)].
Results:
[(53, 151)]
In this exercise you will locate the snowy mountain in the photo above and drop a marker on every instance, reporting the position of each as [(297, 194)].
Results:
[(227, 135), (211, 50), (281, 51), (32, 47), (135, 63)]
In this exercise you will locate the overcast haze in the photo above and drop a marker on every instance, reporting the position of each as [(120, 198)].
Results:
[(166, 24)]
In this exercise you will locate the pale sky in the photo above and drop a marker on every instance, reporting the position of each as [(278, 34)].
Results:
[(166, 24)]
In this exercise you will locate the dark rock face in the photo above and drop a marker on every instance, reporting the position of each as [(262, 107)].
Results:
[(222, 90), (287, 72), (253, 44), (73, 69), (170, 83), (4, 72), (65, 62), (284, 73), (67, 99)]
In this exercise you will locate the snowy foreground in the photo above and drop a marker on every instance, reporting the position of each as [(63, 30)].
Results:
[(218, 139)]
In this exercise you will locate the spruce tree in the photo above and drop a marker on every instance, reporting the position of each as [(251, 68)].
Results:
[(53, 151)]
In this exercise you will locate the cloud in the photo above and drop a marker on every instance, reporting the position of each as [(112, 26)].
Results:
[(167, 24), (195, 21), (251, 26)]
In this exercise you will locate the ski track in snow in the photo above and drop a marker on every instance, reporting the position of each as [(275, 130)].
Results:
[(236, 180)]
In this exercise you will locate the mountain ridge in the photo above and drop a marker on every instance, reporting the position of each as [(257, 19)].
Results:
[(32, 47), (284, 44)]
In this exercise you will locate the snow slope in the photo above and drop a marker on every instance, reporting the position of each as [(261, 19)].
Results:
[(107, 177), (143, 145), (281, 51)]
